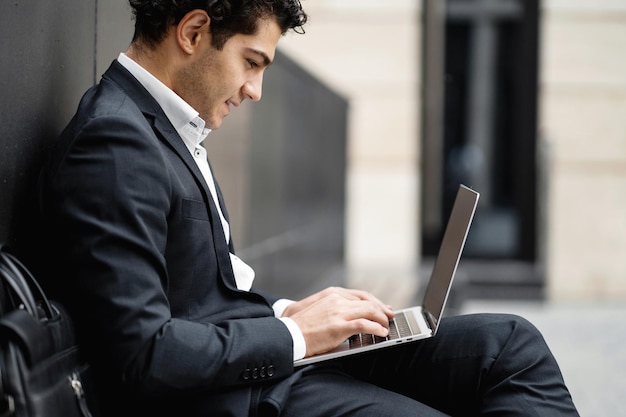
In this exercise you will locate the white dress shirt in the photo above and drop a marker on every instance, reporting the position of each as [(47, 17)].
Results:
[(192, 130)]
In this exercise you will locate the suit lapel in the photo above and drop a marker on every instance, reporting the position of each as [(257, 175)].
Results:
[(164, 129)]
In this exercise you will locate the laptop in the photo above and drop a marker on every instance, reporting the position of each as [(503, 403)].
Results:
[(419, 322)]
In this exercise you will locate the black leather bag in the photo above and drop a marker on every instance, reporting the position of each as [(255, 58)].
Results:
[(42, 372)]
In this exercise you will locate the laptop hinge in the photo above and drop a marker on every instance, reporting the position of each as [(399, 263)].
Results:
[(431, 320)]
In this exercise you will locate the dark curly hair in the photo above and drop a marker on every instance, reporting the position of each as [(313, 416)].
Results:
[(228, 17)]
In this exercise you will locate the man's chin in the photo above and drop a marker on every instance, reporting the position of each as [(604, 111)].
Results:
[(215, 124)]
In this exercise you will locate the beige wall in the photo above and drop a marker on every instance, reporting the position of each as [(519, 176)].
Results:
[(369, 51), (583, 121)]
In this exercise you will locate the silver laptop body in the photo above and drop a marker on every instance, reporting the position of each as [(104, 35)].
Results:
[(420, 322)]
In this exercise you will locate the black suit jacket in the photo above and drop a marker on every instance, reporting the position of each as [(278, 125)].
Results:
[(139, 257)]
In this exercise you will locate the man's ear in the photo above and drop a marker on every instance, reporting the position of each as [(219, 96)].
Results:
[(191, 28)]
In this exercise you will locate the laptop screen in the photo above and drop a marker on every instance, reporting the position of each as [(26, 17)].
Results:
[(454, 237)]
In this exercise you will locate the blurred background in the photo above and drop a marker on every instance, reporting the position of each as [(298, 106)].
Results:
[(345, 172)]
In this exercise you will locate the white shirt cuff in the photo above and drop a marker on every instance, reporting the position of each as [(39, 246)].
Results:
[(280, 306), (299, 345)]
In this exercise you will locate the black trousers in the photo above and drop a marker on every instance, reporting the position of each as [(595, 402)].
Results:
[(476, 365)]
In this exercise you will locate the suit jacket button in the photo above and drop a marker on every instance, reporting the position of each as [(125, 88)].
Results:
[(246, 374), (263, 372), (270, 370), (255, 373)]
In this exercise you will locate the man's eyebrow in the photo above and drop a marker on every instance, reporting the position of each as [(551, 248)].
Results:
[(266, 59)]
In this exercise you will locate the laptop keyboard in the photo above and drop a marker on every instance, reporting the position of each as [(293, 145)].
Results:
[(398, 327)]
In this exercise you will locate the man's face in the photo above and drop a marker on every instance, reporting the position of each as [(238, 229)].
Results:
[(215, 81)]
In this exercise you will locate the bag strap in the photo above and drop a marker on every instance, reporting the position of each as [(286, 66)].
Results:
[(22, 282), (18, 288)]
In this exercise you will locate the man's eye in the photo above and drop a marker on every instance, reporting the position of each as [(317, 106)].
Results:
[(252, 63)]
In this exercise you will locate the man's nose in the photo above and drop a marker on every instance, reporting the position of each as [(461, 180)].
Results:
[(253, 88)]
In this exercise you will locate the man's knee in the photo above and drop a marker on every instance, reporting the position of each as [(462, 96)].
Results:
[(514, 342), (488, 334), (519, 330)]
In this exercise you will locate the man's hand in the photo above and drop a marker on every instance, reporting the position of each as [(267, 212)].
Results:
[(329, 317)]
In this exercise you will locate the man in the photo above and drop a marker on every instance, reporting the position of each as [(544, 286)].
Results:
[(164, 308)]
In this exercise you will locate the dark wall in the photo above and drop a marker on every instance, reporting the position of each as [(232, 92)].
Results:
[(52, 51), (281, 163), (47, 61)]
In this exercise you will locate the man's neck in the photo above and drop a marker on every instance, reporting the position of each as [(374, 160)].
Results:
[(152, 60)]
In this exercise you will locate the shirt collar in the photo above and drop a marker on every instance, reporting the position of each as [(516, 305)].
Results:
[(184, 118)]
